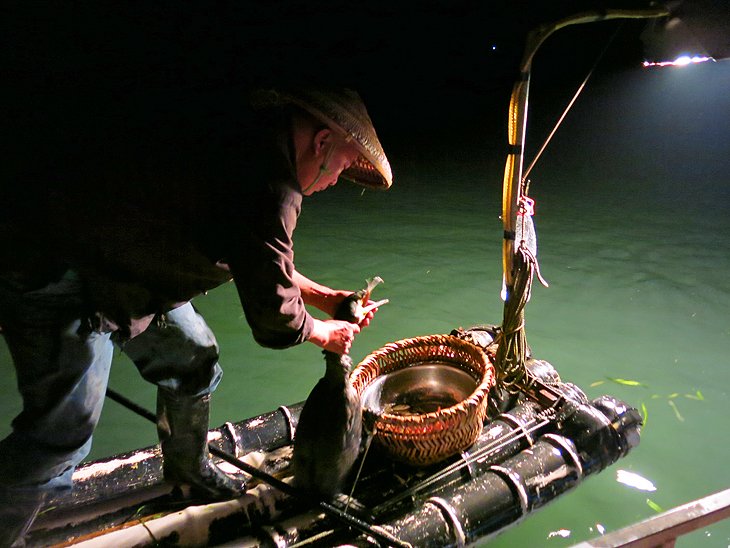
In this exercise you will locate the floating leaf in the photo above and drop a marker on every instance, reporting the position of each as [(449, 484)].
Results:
[(696, 396), (626, 382), (677, 414), (672, 396), (597, 383), (644, 414), (654, 506)]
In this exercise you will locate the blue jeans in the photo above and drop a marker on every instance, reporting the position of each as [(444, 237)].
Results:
[(63, 368)]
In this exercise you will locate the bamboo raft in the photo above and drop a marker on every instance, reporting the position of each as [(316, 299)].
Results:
[(535, 445)]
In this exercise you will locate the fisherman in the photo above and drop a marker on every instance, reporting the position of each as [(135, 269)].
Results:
[(110, 245)]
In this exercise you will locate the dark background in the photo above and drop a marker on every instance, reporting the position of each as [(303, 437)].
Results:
[(429, 71), (435, 75)]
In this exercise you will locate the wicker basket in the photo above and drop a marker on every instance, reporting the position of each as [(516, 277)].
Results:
[(426, 438)]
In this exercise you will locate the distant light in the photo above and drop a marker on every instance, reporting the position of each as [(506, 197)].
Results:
[(682, 61), (494, 47)]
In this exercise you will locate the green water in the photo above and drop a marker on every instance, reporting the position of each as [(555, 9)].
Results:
[(636, 251)]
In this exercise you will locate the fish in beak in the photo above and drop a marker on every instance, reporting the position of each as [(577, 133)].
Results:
[(355, 307)]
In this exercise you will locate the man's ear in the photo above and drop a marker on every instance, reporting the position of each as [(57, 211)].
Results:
[(321, 139)]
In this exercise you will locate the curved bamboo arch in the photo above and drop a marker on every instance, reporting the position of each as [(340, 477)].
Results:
[(517, 270)]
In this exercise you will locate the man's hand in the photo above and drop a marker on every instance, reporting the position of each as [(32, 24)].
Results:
[(334, 335)]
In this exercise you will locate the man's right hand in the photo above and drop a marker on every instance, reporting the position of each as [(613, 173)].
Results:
[(334, 335)]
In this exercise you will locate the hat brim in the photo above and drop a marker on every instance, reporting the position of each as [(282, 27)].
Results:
[(364, 173), (344, 111)]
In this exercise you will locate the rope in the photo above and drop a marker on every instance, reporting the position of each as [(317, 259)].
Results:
[(572, 101), (368, 442), (512, 350)]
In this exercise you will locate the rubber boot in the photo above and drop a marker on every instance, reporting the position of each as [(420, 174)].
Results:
[(182, 426), (18, 509)]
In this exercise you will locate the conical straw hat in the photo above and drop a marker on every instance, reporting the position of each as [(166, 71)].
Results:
[(343, 110)]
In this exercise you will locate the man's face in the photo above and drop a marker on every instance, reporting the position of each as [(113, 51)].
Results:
[(334, 161)]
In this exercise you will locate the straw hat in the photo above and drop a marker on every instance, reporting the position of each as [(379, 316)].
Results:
[(342, 110)]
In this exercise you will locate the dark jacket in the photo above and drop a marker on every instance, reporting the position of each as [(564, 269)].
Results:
[(154, 209)]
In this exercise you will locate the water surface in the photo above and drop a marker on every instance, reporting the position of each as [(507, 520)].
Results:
[(634, 239)]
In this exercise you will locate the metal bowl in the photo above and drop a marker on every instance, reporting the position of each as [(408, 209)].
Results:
[(426, 396), (420, 389)]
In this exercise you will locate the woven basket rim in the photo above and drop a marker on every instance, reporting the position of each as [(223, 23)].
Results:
[(427, 438), (465, 406)]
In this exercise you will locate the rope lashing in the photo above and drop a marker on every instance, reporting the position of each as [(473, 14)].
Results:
[(512, 351)]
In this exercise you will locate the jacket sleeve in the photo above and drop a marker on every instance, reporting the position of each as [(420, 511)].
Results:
[(262, 265)]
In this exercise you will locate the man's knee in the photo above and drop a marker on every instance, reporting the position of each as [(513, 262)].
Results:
[(179, 352)]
